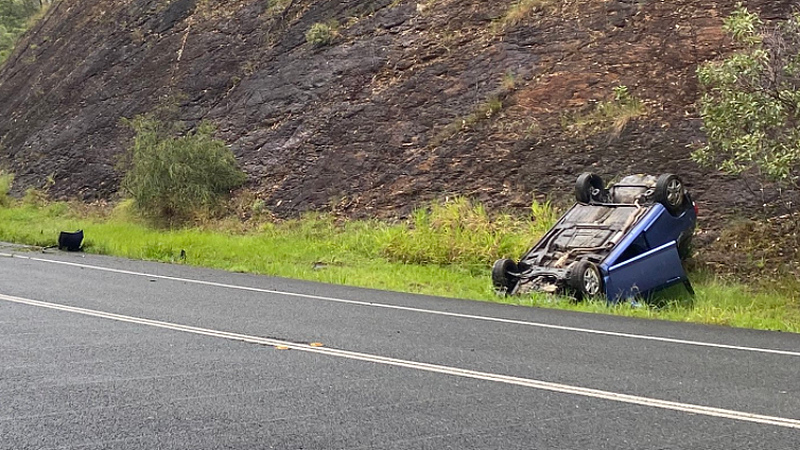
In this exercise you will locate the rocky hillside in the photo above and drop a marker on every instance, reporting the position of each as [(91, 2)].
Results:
[(411, 101)]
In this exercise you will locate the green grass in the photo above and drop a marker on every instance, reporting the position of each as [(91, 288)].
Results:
[(6, 179), (436, 252)]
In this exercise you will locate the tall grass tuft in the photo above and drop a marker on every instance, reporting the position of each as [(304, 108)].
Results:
[(6, 180), (611, 116), (520, 11), (483, 111), (460, 231)]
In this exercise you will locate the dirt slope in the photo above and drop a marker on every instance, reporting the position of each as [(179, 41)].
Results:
[(392, 114)]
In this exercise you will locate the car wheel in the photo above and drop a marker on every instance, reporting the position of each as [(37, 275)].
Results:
[(504, 276), (584, 279), (590, 187), (670, 192)]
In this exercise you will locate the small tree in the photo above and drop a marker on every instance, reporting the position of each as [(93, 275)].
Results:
[(750, 103), (174, 178)]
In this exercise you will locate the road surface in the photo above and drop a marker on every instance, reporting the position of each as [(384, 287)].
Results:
[(105, 353)]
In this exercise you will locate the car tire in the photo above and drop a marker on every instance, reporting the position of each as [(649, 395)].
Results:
[(671, 193), (584, 280), (590, 188), (504, 277)]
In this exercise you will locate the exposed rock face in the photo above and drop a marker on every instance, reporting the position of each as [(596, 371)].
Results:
[(390, 115)]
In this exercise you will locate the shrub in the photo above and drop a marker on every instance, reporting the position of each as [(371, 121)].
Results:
[(750, 103), (177, 178), (321, 34)]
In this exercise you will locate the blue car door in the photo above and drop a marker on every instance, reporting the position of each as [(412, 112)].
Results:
[(654, 269)]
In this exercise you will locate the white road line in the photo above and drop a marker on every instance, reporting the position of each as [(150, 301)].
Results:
[(417, 310), (454, 371)]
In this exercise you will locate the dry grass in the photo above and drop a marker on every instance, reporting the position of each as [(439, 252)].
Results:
[(425, 5), (759, 252), (509, 81), (483, 111), (520, 11), (611, 116)]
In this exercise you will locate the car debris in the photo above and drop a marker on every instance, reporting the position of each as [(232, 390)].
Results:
[(619, 242), (71, 241)]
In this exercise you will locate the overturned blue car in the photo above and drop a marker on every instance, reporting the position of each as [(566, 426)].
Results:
[(623, 241)]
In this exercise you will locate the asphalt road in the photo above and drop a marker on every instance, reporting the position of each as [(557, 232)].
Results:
[(103, 353)]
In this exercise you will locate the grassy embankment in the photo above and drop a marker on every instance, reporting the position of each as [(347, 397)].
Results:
[(444, 251)]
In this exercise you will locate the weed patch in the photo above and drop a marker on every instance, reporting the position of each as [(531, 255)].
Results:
[(463, 232), (520, 11), (611, 116), (322, 34), (425, 5), (483, 111), (6, 180), (34, 197)]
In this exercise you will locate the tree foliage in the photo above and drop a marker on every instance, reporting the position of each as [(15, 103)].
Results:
[(750, 103), (15, 17), (174, 178)]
